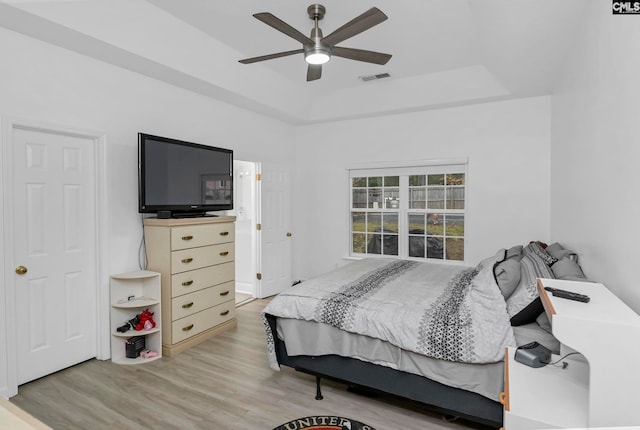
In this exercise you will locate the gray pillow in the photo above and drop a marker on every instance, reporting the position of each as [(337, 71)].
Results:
[(507, 276), (543, 322), (558, 251), (539, 251), (499, 256), (514, 252), (526, 293), (568, 269)]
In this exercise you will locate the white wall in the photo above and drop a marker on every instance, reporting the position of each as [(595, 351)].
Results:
[(595, 204), (507, 144), (43, 83)]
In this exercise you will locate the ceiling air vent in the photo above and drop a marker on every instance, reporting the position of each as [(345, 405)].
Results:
[(374, 77)]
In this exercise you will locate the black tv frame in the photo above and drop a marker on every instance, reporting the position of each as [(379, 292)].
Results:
[(177, 210)]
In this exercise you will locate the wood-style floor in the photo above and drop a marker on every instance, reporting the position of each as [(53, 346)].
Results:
[(242, 298), (223, 383)]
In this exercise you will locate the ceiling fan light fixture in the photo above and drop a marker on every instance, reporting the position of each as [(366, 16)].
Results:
[(317, 56), (316, 48)]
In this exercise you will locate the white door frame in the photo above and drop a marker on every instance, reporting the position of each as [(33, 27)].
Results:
[(250, 208), (259, 293), (8, 341)]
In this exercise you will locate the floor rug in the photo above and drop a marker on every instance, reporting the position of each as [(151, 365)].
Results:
[(324, 422)]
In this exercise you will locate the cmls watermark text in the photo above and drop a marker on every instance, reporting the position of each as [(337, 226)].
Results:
[(625, 7)]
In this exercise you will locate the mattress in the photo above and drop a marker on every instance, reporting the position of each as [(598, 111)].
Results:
[(314, 339)]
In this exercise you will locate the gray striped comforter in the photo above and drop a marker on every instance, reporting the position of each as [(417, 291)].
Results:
[(441, 311)]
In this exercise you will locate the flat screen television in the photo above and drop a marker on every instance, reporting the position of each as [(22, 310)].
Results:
[(183, 179)]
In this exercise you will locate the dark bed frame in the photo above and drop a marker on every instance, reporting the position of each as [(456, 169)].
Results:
[(436, 396)]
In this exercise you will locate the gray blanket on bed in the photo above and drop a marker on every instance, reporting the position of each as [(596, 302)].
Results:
[(443, 311)]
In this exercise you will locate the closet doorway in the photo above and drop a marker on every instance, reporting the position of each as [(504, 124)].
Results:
[(51, 228), (246, 204), (263, 231)]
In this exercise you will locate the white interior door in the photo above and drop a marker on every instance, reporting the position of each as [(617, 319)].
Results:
[(54, 250), (275, 234)]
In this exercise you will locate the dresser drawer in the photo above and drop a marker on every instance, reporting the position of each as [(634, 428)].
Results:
[(200, 300), (197, 323), (193, 236), (194, 280), (196, 258)]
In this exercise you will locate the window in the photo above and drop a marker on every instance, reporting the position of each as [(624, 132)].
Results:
[(415, 212)]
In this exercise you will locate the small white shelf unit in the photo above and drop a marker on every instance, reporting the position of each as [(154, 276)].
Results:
[(132, 293), (598, 386)]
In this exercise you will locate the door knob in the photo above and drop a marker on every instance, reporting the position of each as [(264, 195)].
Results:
[(21, 270), (289, 234)]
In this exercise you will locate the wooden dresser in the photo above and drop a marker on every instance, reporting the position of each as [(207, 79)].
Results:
[(195, 257)]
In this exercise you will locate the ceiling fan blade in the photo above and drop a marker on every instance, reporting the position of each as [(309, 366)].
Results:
[(373, 16), (314, 71), (283, 27), (361, 55), (271, 56)]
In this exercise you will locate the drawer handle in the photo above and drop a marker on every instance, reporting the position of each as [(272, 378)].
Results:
[(224, 233), (187, 305), (187, 283), (224, 293), (187, 328), (187, 260), (224, 253), (187, 237), (224, 313)]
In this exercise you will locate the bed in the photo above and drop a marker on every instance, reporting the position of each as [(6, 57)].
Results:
[(428, 332)]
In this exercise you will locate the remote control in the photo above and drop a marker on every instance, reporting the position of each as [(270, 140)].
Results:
[(568, 294)]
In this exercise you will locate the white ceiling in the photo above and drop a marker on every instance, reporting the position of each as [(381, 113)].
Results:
[(445, 52)]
